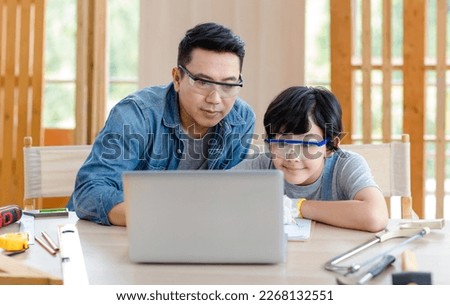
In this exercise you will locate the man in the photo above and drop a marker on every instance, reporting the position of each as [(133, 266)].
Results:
[(195, 122)]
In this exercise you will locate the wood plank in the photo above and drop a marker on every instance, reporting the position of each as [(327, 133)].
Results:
[(414, 94), (386, 69), (2, 40), (58, 136), (38, 72), (81, 98), (24, 101), (13, 272), (91, 110), (7, 193), (2, 71), (98, 85), (340, 58), (441, 36), (91, 70), (366, 52)]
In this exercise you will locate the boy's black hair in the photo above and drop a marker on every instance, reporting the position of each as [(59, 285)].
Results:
[(291, 111), (212, 37)]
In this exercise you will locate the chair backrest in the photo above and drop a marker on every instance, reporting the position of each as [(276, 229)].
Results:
[(391, 168), (50, 171)]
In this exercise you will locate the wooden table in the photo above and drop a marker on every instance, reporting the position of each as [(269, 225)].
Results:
[(106, 257)]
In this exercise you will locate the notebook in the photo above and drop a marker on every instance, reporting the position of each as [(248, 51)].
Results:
[(224, 217)]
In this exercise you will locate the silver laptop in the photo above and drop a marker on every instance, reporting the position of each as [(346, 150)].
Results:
[(233, 217)]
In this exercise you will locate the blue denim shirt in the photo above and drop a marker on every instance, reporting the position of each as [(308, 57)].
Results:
[(142, 132)]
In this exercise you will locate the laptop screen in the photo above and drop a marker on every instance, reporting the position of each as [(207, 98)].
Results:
[(205, 216)]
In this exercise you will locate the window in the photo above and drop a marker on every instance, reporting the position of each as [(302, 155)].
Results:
[(317, 43), (60, 57), (123, 45), (60, 64)]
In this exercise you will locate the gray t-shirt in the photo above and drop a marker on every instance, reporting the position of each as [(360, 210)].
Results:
[(350, 175), (195, 154)]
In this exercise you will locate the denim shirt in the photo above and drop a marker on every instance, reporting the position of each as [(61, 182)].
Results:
[(142, 132)]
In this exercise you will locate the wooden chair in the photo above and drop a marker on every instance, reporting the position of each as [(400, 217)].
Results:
[(50, 171), (391, 168)]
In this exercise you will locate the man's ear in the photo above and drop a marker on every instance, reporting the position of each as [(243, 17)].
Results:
[(176, 78)]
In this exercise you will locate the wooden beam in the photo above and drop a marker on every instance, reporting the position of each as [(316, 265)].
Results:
[(414, 94), (24, 93), (366, 52), (9, 116), (91, 80), (387, 69), (441, 83), (81, 108), (340, 57), (38, 72)]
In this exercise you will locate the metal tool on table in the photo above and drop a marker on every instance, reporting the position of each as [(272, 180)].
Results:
[(72, 259), (411, 233), (385, 262), (410, 274), (422, 223)]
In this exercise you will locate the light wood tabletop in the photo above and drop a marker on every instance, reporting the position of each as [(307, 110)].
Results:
[(105, 251)]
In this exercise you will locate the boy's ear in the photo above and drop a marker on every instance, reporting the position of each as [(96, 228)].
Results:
[(336, 143)]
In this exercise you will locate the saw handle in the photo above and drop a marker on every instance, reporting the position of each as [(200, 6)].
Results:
[(9, 214), (407, 232)]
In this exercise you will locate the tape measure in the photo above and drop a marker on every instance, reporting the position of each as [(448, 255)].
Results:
[(13, 242)]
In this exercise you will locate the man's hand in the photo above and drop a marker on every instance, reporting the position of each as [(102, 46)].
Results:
[(117, 215)]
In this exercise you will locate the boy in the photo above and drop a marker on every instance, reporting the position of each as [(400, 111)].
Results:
[(303, 127)]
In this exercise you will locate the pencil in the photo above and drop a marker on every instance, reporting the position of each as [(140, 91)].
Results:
[(50, 241), (45, 246)]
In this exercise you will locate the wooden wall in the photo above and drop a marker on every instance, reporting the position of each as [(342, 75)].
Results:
[(21, 84), (412, 65)]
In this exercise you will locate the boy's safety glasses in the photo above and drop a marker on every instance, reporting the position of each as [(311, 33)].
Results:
[(295, 149)]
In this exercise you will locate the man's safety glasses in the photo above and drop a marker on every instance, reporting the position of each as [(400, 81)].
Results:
[(205, 86)]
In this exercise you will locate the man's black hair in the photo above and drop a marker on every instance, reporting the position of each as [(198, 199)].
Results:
[(212, 37)]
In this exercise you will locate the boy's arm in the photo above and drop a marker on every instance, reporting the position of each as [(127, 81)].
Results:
[(367, 211)]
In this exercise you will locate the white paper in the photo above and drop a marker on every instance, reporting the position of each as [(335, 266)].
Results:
[(298, 231)]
